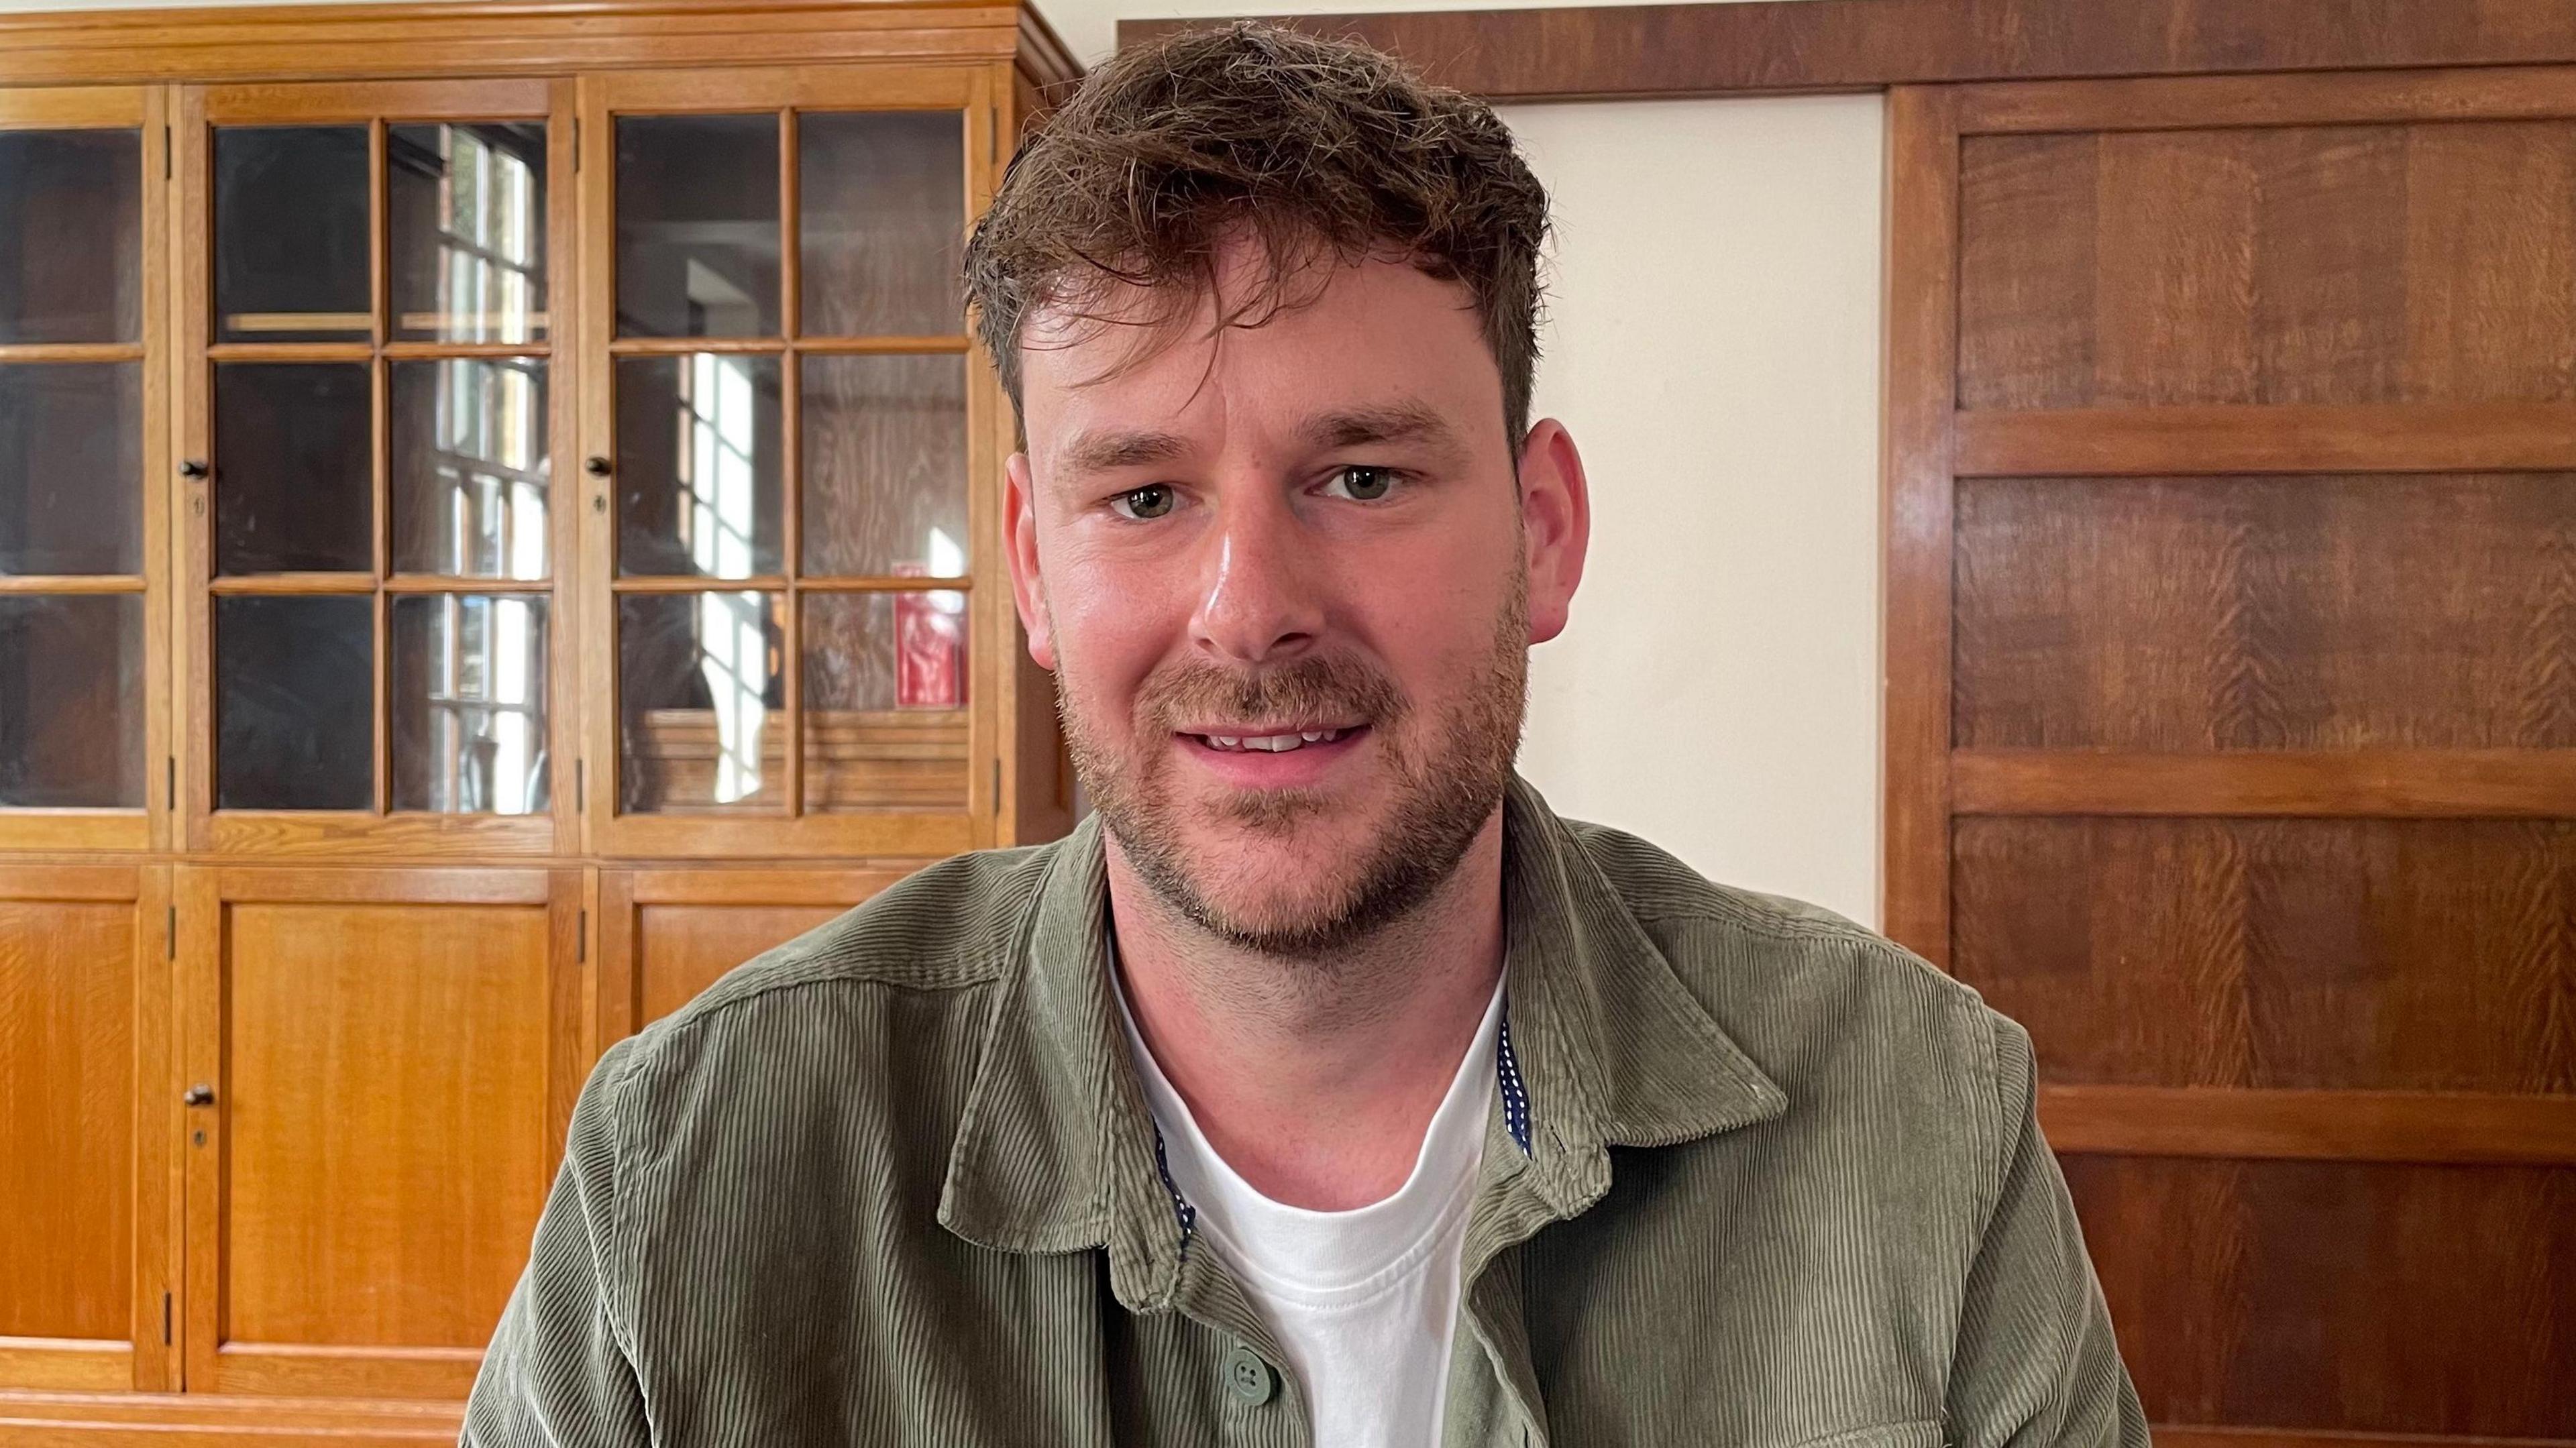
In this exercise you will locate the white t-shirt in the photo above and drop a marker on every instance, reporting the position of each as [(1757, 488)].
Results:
[(1364, 1302)]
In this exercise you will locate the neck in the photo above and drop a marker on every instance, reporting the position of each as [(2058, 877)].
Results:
[(1316, 1079)]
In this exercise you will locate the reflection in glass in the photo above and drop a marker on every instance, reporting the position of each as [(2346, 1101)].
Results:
[(885, 695), (71, 467), (882, 220), (698, 676), (469, 704), (71, 701), (698, 487), (291, 209), (697, 226), (293, 477), (470, 467), (884, 465), (71, 236), (468, 210), (294, 702)]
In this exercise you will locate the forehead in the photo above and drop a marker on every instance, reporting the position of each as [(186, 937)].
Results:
[(1344, 337)]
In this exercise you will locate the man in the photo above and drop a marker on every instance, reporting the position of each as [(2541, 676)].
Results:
[(1324, 1087)]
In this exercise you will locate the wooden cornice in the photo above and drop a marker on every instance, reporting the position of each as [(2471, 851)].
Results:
[(511, 37), (1637, 52)]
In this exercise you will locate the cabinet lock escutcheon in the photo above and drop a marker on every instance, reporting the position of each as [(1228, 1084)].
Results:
[(200, 1094)]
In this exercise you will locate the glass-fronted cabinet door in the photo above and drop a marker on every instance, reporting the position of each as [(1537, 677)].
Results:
[(792, 464), (83, 459), (371, 400)]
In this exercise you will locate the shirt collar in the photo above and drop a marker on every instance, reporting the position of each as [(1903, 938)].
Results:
[(1055, 1152)]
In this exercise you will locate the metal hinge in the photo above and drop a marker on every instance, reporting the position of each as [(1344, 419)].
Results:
[(170, 934), (576, 143), (580, 786), (165, 1319), (997, 787), (581, 938), (167, 145), (170, 780)]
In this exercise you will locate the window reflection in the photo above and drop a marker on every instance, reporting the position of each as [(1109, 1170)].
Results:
[(698, 466), (719, 431), (471, 467), (469, 231), (699, 675), (470, 704)]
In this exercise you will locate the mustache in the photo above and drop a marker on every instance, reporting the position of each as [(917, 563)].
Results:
[(1339, 687)]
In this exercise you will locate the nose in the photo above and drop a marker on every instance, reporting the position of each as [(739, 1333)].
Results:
[(1259, 603)]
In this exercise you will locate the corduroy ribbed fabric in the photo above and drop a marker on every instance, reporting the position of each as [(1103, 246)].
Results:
[(895, 1183)]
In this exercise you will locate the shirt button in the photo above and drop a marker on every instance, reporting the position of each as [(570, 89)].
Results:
[(1252, 1379)]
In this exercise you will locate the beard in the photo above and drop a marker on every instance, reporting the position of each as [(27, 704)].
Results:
[(1444, 789)]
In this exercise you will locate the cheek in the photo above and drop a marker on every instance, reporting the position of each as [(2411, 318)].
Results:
[(1107, 634)]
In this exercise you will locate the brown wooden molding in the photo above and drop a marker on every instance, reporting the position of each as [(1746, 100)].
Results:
[(2362, 783), (2235, 1122), (1642, 51), (512, 37)]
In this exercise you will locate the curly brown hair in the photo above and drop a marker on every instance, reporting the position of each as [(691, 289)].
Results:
[(1316, 148)]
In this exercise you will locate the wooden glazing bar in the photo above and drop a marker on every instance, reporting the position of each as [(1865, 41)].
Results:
[(291, 352), (293, 583), (2158, 441), (690, 583), (2365, 783), (2378, 1126), (881, 346), (791, 454), (883, 585), (72, 583), (437, 583), (432, 351), (380, 454), (71, 352), (684, 346)]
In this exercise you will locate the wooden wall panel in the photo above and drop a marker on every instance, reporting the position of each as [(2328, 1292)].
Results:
[(2301, 612), (666, 934), (2422, 955), (387, 1123), (67, 1095), (2328, 1296), (2319, 265)]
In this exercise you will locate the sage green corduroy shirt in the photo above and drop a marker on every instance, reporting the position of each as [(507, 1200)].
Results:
[(894, 1183)]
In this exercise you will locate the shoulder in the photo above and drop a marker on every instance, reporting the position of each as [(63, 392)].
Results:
[(893, 987), (1825, 1005)]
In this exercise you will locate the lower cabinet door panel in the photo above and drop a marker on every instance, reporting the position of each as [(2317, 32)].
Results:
[(666, 935), (380, 1063), (85, 1120)]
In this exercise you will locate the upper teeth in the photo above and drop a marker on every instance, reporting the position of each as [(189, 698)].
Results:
[(1275, 743)]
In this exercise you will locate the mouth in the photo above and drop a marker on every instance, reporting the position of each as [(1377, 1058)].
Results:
[(1270, 739)]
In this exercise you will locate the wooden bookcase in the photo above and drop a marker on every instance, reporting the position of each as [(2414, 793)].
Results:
[(499, 523)]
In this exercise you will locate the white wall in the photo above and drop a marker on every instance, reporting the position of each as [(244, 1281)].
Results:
[(1713, 345)]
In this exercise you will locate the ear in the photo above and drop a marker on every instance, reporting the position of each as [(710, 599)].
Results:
[(1556, 525), (1020, 539)]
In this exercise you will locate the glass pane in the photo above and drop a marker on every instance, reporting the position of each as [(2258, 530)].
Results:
[(885, 466), (71, 701), (885, 695), (468, 213), (882, 199), (698, 489), (697, 226), (470, 468), (698, 678), (294, 702), (71, 236), (292, 473), (291, 234), (71, 467), (469, 704)]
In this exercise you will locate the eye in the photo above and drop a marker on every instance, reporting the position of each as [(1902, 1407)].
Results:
[(1363, 483), (1150, 501)]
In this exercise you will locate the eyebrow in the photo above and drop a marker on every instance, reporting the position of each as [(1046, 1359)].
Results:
[(1103, 450)]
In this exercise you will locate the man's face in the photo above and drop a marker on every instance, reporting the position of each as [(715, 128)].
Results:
[(1287, 582)]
